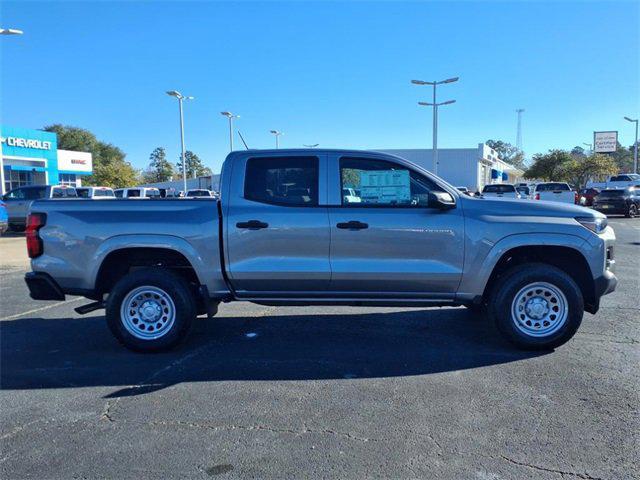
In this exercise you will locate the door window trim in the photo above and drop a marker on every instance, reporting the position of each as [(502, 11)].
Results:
[(376, 205), (318, 168)]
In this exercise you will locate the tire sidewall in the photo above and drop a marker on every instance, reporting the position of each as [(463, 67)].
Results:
[(518, 278), (176, 287)]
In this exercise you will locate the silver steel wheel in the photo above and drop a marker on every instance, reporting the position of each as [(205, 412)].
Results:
[(540, 309), (148, 312)]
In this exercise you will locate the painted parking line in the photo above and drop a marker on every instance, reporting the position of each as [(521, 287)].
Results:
[(36, 310)]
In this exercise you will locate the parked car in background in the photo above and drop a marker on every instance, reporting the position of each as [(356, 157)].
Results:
[(137, 192), (199, 192), (464, 190), (620, 181), (168, 192), (95, 192), (500, 190), (586, 196), (18, 201), (623, 201), (555, 192), (4, 218), (349, 195), (283, 234), (524, 191)]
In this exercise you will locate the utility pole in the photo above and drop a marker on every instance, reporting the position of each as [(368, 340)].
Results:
[(230, 116), (519, 111), (180, 97), (435, 106), (635, 145)]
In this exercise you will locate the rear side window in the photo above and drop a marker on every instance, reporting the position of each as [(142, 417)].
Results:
[(16, 194), (82, 192), (291, 181), (102, 193), (118, 193), (552, 187), (621, 178), (133, 193), (152, 193), (35, 193), (499, 189)]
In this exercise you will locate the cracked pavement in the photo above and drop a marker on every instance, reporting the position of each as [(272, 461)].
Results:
[(320, 392)]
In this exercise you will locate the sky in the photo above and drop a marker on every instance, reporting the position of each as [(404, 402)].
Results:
[(333, 73)]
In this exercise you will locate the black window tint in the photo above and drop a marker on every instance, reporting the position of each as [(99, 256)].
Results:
[(552, 187), (367, 181), (282, 180), (82, 192), (133, 193), (35, 193), (118, 193), (499, 188), (16, 194)]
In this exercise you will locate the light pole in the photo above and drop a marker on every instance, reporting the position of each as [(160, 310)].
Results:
[(230, 116), (435, 106), (10, 31), (180, 97), (277, 133), (635, 145)]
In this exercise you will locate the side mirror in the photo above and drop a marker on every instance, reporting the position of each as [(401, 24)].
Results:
[(441, 200)]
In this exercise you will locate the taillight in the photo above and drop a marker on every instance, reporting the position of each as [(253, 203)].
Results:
[(537, 196), (35, 222)]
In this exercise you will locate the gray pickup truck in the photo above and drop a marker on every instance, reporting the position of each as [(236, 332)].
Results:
[(283, 233)]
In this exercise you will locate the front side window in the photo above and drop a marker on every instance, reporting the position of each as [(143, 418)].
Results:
[(368, 182), (290, 181), (152, 193)]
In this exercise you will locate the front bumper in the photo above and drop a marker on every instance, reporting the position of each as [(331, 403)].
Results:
[(43, 287)]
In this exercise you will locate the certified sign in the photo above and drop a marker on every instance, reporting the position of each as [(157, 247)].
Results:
[(605, 142)]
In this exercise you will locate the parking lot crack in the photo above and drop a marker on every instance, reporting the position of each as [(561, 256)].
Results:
[(562, 473), (266, 428)]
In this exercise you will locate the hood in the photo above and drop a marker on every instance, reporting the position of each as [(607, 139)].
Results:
[(541, 208)]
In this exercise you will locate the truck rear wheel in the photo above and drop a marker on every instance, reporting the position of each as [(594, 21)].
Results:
[(150, 310), (537, 306)]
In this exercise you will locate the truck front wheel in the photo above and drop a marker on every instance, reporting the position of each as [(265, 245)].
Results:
[(150, 310), (536, 306)]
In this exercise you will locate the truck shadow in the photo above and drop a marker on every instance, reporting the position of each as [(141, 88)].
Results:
[(38, 353)]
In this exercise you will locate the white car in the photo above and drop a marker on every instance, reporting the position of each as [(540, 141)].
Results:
[(199, 192), (137, 192), (500, 190), (620, 181), (555, 192), (349, 195), (95, 192)]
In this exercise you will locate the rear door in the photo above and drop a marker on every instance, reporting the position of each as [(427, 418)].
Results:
[(388, 240), (277, 225)]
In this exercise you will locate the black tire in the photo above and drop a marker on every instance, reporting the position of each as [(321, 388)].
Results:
[(516, 279), (632, 212), (178, 291)]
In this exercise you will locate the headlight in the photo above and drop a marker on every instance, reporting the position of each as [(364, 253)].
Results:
[(596, 225)]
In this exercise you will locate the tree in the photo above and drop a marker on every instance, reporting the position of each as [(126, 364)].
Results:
[(578, 151), (160, 169), (109, 166), (623, 158), (508, 153), (195, 167), (548, 166), (578, 171)]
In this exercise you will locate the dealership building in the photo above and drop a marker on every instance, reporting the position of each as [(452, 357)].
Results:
[(31, 157), (464, 167)]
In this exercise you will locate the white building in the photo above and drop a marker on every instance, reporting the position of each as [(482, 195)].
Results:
[(464, 167)]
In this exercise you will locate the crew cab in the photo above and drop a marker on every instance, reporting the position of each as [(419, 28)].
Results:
[(95, 192), (19, 200), (555, 192), (283, 233)]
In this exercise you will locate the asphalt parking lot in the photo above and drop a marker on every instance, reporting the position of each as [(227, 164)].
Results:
[(262, 392)]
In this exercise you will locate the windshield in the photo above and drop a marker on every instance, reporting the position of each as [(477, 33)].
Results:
[(552, 187), (498, 189)]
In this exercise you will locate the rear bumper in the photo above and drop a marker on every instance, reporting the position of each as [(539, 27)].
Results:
[(43, 287)]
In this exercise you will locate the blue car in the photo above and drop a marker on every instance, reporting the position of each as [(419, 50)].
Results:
[(4, 218)]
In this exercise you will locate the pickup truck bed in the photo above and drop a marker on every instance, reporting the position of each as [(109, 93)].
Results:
[(283, 233)]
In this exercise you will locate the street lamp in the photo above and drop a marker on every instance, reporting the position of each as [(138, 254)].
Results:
[(230, 116), (277, 133), (590, 145), (10, 31), (635, 145), (180, 97), (311, 146), (435, 106)]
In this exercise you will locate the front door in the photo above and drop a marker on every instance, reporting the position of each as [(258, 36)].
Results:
[(385, 238), (278, 226)]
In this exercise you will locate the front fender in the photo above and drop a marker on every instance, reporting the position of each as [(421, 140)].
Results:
[(479, 266)]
